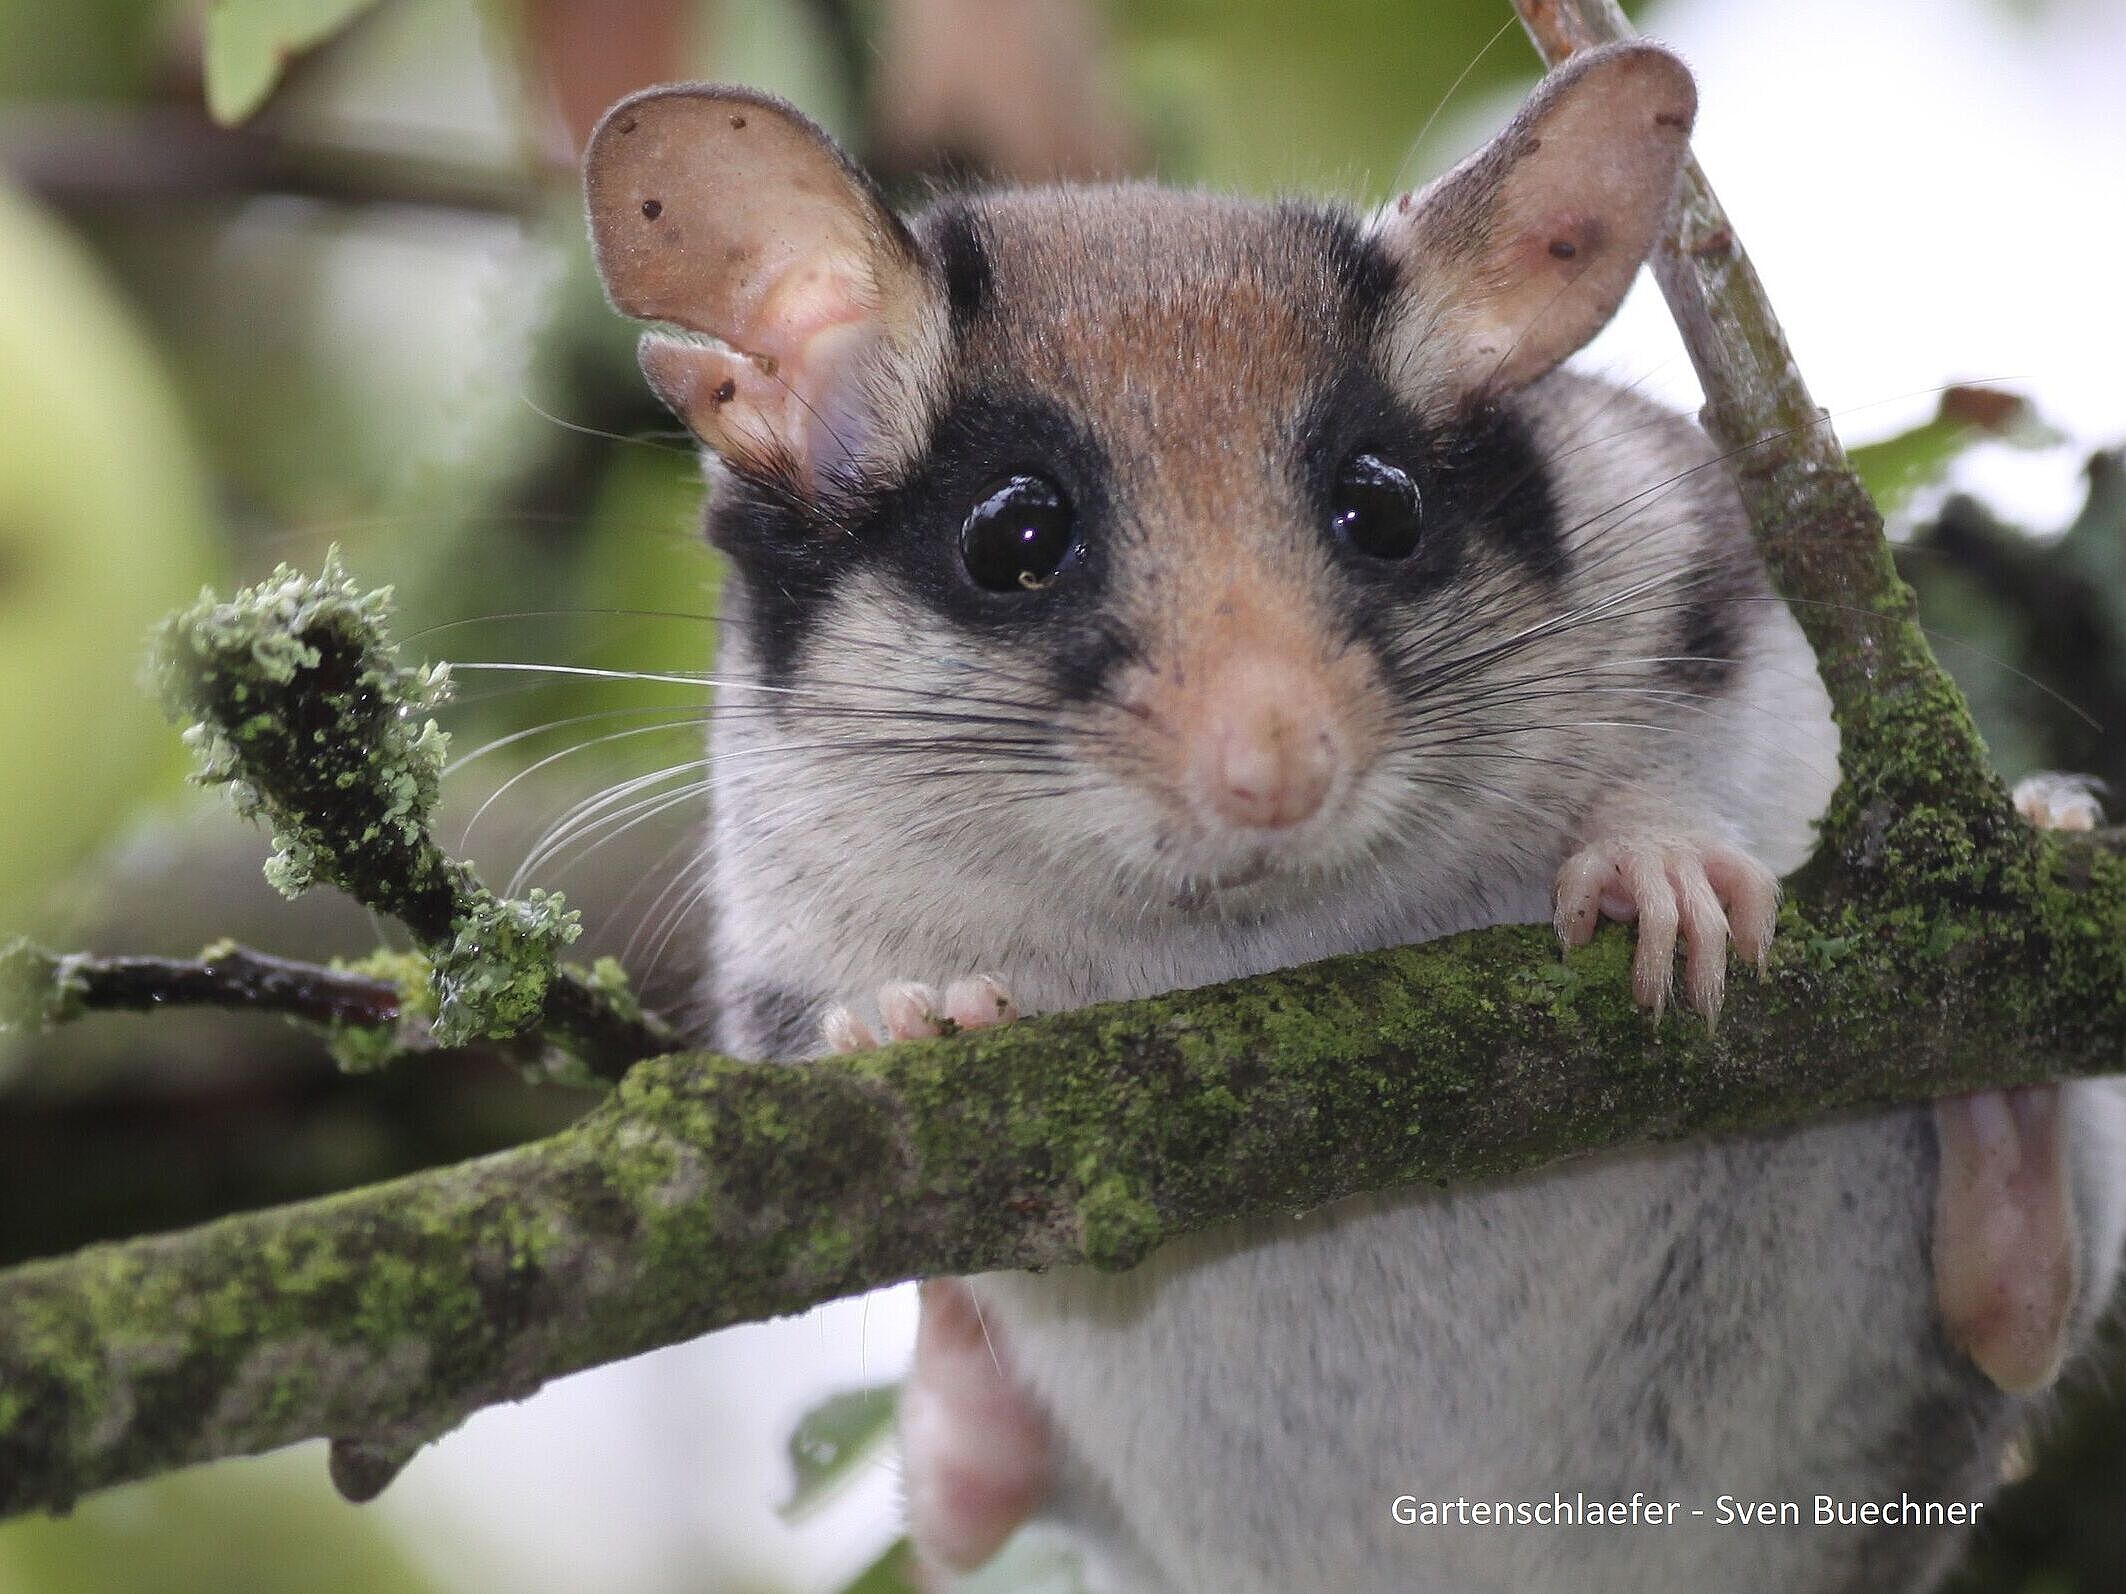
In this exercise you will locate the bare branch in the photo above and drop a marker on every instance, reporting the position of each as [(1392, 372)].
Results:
[(223, 976), (106, 157)]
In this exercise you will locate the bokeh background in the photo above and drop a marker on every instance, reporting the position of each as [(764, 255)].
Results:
[(278, 274)]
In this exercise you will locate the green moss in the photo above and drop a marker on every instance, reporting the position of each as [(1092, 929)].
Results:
[(402, 1299), (305, 1268), (610, 981), (828, 1249), (491, 981), (1117, 1225), (646, 1165), (298, 703), (530, 1240)]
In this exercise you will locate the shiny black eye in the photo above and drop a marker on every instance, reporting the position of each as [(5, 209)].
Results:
[(1019, 535), (1374, 507)]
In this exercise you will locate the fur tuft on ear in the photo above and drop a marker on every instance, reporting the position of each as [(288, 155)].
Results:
[(802, 333), (1522, 253)]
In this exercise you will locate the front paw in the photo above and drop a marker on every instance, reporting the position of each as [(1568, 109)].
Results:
[(909, 1010), (1704, 890)]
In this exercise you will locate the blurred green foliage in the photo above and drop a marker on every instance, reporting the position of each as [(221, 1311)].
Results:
[(249, 44), (835, 1440), (104, 523), (60, 50), (1896, 469), (2031, 621), (194, 1533), (1313, 98)]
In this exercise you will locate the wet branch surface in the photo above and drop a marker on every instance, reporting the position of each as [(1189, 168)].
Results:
[(234, 977)]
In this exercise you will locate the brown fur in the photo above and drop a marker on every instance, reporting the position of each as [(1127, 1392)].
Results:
[(1255, 310)]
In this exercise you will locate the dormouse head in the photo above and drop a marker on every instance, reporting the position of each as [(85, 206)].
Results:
[(1140, 523)]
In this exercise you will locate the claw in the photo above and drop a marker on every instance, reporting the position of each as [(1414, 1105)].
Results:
[(980, 1002), (1653, 965), (845, 1032), (909, 1010), (1705, 893), (1579, 896), (1705, 937)]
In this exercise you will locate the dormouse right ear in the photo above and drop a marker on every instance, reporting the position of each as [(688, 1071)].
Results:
[(1522, 253), (801, 332)]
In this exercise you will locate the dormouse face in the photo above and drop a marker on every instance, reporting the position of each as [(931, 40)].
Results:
[(1137, 530)]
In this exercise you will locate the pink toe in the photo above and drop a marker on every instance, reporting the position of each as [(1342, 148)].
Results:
[(1704, 939), (910, 1009), (1579, 895), (845, 1032), (980, 1002), (1653, 964)]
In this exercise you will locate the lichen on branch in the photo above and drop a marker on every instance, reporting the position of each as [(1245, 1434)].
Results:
[(297, 702), (296, 699), (40, 990), (705, 1192)]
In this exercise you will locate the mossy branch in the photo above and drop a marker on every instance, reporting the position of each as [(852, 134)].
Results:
[(1939, 945), (295, 699), (705, 1192)]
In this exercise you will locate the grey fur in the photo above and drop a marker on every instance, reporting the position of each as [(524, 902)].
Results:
[(1753, 1317), (769, 1021)]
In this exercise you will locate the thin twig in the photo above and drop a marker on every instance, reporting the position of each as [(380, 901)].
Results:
[(230, 976), (96, 157), (296, 700)]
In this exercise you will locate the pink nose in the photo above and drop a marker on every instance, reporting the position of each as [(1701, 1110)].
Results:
[(1264, 756)]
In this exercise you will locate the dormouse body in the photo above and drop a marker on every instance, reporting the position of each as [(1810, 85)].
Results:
[(1133, 589)]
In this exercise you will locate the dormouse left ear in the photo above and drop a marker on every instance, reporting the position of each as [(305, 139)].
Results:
[(1522, 253), (801, 329)]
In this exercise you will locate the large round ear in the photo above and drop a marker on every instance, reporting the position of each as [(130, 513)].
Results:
[(1522, 253), (800, 332)]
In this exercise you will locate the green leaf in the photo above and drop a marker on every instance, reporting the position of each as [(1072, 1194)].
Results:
[(106, 518), (1897, 467), (833, 1440), (1028, 1564), (253, 1528), (887, 1575), (250, 43)]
